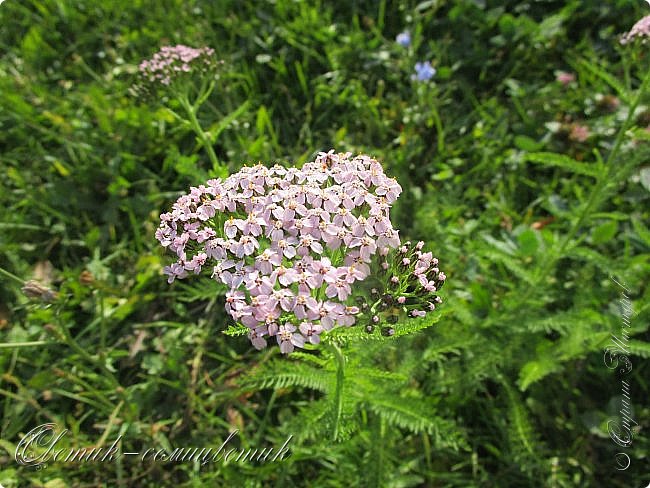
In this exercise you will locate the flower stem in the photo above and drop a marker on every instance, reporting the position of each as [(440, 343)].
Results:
[(201, 134), (11, 276), (67, 338), (338, 394), (7, 345), (379, 463)]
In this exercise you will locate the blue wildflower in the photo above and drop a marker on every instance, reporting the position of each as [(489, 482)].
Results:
[(404, 39), (424, 71)]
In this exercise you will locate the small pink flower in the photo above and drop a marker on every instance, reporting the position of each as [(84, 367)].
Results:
[(579, 133), (287, 338), (311, 331), (256, 337), (348, 317), (564, 77)]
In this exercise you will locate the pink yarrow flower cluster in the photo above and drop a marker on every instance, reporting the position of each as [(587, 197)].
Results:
[(639, 31), (172, 62), (289, 243)]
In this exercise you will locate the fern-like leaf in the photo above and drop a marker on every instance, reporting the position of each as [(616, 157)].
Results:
[(236, 330), (592, 257), (417, 416), (201, 289), (345, 335), (639, 348), (564, 162), (283, 374), (522, 439)]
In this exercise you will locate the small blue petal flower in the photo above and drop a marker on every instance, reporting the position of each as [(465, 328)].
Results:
[(424, 71), (404, 39)]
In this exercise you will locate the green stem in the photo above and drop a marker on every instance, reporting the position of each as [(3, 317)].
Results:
[(373, 307), (439, 128), (102, 322), (338, 394), (69, 340), (379, 463), (196, 126), (205, 93), (265, 419), (11, 276), (8, 345)]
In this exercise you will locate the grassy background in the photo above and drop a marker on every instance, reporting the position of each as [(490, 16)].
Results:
[(514, 369)]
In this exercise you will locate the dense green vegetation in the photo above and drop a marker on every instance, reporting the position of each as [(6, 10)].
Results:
[(531, 186)]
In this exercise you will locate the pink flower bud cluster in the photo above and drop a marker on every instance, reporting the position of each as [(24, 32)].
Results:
[(640, 30), (171, 62), (287, 242)]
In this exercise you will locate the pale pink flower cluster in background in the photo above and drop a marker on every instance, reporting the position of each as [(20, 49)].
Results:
[(565, 78), (287, 242), (579, 133), (640, 30), (171, 61)]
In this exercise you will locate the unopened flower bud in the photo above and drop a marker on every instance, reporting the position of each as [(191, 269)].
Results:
[(34, 289), (375, 319), (58, 372), (387, 331), (86, 278), (401, 300), (370, 329)]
